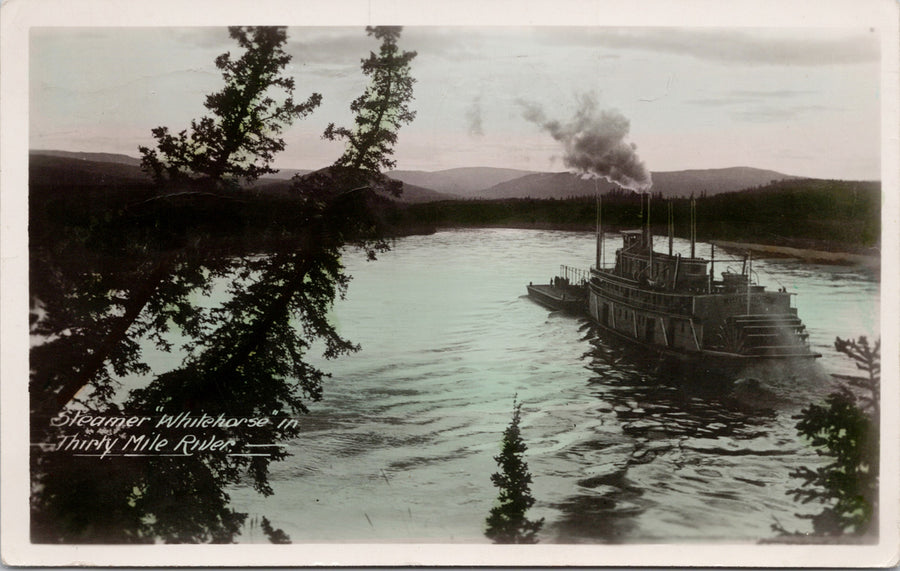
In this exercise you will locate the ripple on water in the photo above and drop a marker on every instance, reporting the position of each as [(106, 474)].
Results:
[(620, 448)]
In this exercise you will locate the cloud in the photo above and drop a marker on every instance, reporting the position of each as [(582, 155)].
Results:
[(333, 45), (772, 114), (747, 96), (724, 101), (781, 47), (204, 37), (462, 43), (351, 44), (771, 93), (763, 106)]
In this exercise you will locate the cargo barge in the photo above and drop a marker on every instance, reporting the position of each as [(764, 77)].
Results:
[(566, 292)]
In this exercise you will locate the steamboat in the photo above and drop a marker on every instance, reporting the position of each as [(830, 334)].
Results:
[(675, 305)]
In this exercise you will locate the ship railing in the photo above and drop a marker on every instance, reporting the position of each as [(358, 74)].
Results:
[(574, 276), (655, 301)]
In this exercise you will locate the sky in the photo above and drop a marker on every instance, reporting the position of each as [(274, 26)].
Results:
[(801, 101)]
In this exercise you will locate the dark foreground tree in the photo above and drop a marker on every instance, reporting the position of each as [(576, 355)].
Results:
[(382, 109), (157, 247), (507, 522), (243, 358), (845, 430), (241, 137)]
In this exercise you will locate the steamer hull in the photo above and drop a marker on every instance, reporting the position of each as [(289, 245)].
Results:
[(673, 305)]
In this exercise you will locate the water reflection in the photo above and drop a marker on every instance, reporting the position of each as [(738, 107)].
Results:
[(671, 436)]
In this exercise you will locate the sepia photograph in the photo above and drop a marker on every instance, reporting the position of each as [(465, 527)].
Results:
[(390, 288)]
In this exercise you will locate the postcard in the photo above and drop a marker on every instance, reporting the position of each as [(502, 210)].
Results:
[(375, 283)]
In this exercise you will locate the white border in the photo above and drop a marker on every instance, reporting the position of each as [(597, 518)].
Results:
[(18, 16)]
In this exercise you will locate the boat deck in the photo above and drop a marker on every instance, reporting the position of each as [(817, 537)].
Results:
[(561, 298)]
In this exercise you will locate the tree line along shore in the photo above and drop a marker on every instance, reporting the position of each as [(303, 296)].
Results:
[(841, 220), (822, 221)]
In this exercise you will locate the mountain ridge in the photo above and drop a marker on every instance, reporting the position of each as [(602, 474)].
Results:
[(115, 158), (67, 169), (668, 183), (50, 167), (465, 182)]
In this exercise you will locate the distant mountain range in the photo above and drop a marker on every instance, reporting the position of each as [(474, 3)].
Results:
[(411, 193), (60, 169), (48, 169), (71, 168), (669, 184), (494, 183), (467, 182), (90, 157)]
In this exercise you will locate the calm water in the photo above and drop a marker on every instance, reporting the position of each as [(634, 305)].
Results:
[(621, 450)]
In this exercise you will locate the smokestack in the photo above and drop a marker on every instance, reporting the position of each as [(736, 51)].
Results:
[(594, 143)]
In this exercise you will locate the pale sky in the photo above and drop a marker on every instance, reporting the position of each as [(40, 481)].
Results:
[(800, 101)]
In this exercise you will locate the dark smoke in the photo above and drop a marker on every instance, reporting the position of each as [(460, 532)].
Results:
[(594, 143)]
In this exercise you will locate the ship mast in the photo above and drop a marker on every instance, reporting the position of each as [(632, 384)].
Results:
[(671, 226), (693, 226), (649, 239), (749, 273), (599, 231)]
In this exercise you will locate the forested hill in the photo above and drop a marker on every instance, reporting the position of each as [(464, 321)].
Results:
[(839, 215), (50, 171), (831, 215), (669, 184), (411, 193), (90, 157)]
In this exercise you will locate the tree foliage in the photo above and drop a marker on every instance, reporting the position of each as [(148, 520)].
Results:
[(275, 535), (139, 274), (845, 430), (241, 136), (382, 109), (507, 522), (868, 359)]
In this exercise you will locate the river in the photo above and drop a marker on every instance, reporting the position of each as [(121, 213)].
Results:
[(402, 445)]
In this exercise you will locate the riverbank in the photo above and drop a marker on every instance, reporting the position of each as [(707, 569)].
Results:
[(804, 254), (831, 253)]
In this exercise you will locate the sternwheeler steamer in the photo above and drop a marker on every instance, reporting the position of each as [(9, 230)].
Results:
[(675, 304)]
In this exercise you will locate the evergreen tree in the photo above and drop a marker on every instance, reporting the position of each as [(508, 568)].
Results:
[(245, 358), (382, 109), (237, 142), (240, 139), (845, 429), (507, 522)]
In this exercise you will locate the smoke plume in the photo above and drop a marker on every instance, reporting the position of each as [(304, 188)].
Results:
[(594, 143)]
